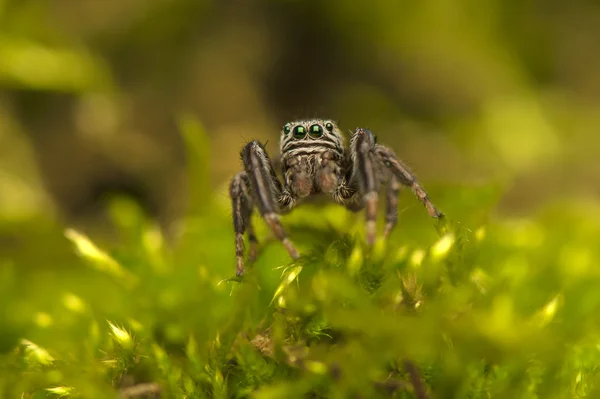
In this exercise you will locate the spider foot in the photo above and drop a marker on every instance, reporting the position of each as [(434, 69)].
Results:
[(434, 212)]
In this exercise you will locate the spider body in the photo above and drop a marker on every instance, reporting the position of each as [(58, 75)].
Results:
[(314, 160)]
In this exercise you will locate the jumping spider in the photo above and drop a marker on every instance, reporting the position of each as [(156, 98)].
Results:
[(314, 160)]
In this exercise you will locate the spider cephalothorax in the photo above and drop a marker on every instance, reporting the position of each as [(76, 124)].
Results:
[(314, 160)]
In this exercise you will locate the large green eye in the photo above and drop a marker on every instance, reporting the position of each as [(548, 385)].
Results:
[(329, 126), (316, 130), (287, 129), (299, 132)]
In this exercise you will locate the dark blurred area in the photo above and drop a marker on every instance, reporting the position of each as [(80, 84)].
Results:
[(467, 93)]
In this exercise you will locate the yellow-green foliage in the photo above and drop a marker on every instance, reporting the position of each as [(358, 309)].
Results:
[(473, 306)]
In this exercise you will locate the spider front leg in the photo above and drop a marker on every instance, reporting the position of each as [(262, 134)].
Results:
[(267, 194)]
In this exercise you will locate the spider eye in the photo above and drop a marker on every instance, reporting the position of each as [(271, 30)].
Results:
[(287, 129), (329, 126), (299, 132), (316, 130)]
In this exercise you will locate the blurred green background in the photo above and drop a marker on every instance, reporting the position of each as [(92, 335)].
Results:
[(124, 119), (466, 92)]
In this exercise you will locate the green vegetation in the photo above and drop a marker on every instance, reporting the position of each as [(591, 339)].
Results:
[(473, 307)]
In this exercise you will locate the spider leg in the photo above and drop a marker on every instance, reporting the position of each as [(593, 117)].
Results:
[(405, 177), (367, 159), (247, 215), (391, 212), (241, 204), (364, 175), (268, 192), (252, 238)]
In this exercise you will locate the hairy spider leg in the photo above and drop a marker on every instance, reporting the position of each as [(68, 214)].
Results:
[(241, 203), (267, 193), (406, 177), (391, 212), (365, 175), (366, 157)]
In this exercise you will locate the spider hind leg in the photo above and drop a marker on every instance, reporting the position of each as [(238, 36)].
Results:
[(406, 177)]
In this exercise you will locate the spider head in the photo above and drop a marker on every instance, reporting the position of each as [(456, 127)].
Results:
[(313, 133)]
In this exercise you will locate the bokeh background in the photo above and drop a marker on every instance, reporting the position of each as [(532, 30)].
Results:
[(467, 93)]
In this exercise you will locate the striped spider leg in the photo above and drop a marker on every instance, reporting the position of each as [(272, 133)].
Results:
[(313, 161), (373, 164), (257, 185)]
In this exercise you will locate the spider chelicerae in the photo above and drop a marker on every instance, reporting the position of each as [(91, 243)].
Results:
[(314, 160)]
